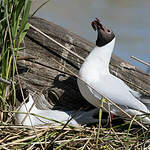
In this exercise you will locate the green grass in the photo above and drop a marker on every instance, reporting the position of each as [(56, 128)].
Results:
[(13, 28)]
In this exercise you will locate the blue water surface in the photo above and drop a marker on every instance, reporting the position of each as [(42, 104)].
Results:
[(129, 19)]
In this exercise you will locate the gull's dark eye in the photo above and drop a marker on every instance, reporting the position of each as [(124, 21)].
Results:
[(108, 30)]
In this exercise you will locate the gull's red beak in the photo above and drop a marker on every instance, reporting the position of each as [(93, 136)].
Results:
[(96, 24)]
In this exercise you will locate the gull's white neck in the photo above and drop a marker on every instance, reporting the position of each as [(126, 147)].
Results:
[(98, 60)]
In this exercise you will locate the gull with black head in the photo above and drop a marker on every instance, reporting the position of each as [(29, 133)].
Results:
[(95, 72)]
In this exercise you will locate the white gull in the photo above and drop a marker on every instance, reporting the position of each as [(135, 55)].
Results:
[(28, 114), (95, 72)]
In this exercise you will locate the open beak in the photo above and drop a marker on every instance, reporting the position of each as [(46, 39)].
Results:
[(96, 24)]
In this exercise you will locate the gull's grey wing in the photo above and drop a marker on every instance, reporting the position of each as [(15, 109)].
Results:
[(116, 90), (144, 99)]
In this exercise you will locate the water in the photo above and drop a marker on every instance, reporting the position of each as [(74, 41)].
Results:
[(128, 19)]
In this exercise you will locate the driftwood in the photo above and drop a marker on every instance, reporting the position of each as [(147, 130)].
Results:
[(39, 73)]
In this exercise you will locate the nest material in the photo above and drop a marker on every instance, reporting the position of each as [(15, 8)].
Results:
[(19, 137)]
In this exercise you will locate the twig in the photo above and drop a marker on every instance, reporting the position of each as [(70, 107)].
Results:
[(110, 101), (141, 61), (118, 137), (59, 133), (27, 138), (100, 119), (85, 145), (56, 42), (39, 8), (5, 81)]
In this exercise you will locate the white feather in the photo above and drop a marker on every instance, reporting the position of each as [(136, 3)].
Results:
[(95, 72), (81, 117)]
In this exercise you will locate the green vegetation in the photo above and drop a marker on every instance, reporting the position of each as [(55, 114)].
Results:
[(13, 28)]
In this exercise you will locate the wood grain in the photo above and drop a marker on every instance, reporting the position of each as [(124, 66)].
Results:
[(39, 73)]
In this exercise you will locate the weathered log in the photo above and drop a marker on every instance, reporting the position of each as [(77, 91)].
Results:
[(39, 72)]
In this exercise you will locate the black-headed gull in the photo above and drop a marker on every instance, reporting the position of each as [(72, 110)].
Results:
[(95, 72), (55, 117)]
